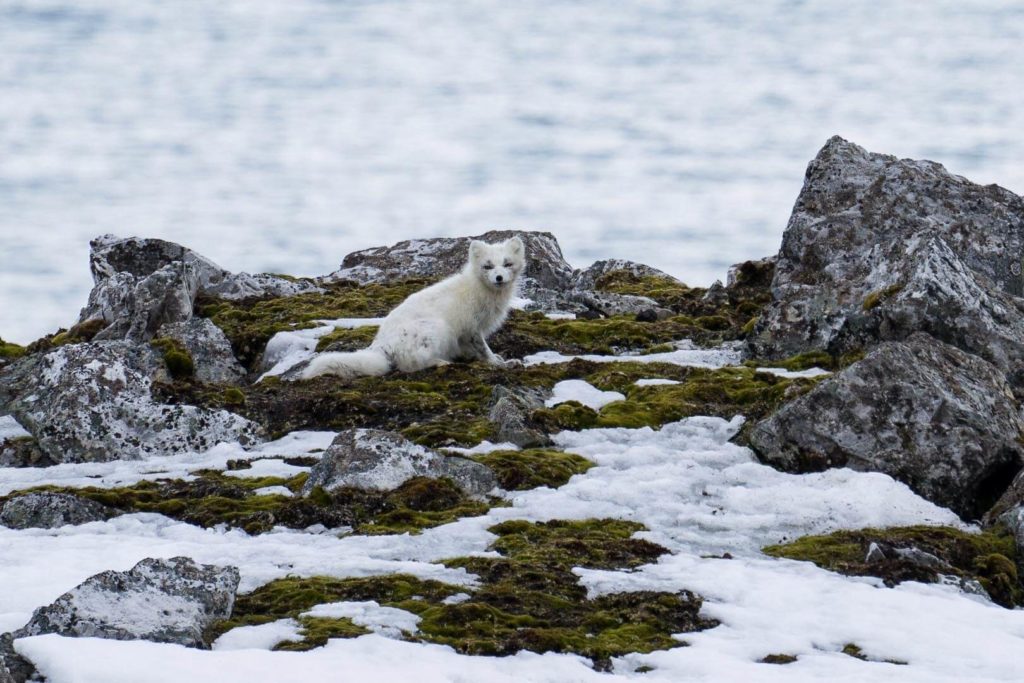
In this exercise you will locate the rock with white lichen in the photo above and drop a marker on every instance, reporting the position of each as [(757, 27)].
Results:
[(164, 601), (377, 460)]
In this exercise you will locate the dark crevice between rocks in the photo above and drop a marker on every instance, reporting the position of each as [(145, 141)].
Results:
[(918, 553), (528, 598)]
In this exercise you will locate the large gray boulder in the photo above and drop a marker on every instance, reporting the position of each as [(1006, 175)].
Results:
[(546, 280), (141, 284), (878, 248), (376, 460), (927, 414), (210, 349), (164, 601), (51, 510), (93, 402)]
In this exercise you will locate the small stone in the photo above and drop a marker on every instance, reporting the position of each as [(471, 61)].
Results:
[(874, 555), (648, 315)]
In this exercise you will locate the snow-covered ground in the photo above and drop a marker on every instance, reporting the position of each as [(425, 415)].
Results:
[(698, 494), (281, 135)]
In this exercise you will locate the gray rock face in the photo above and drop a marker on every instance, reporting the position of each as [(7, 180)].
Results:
[(878, 248), (210, 350), (165, 601), (547, 274), (93, 402), (510, 413), (141, 284), (13, 667), (377, 460), (51, 511), (927, 414)]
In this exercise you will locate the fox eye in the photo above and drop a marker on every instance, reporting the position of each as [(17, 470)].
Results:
[(507, 264), (488, 266)]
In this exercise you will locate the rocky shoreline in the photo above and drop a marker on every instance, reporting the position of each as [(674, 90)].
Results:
[(898, 281)]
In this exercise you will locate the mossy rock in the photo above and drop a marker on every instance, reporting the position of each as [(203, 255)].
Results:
[(11, 351), (989, 557), (529, 469), (78, 334), (529, 598), (878, 297)]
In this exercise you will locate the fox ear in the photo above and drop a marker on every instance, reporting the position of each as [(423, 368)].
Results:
[(476, 249), (515, 245)]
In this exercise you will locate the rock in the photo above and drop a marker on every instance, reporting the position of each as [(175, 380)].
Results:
[(927, 414), (17, 447), (141, 284), (92, 402), (609, 303), (13, 667), (757, 273), (51, 511), (546, 280), (648, 315), (510, 413), (376, 460), (878, 248), (587, 279), (164, 601), (210, 349)]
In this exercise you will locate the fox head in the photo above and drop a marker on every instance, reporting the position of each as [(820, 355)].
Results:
[(497, 264)]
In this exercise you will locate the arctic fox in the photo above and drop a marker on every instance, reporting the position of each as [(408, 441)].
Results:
[(447, 321)]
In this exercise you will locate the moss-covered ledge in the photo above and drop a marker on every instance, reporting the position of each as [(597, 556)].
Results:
[(990, 557)]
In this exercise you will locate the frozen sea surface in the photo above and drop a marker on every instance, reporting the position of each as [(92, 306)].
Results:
[(280, 135)]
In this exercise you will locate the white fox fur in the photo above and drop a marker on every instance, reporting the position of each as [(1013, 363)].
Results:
[(447, 321)]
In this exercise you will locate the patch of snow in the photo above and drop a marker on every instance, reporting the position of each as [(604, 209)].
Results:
[(456, 598), (782, 372), (582, 392), (654, 382), (560, 316), (695, 358), (268, 467), (274, 491), (484, 447), (262, 637), (126, 472), (10, 429), (387, 621)]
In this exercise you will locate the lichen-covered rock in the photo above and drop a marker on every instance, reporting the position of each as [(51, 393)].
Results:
[(376, 460), (510, 412), (209, 348), (927, 414), (587, 279), (883, 245), (546, 278), (141, 284), (165, 601), (17, 447), (50, 511), (93, 402)]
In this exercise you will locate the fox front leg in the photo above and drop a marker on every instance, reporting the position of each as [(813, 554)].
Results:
[(477, 348)]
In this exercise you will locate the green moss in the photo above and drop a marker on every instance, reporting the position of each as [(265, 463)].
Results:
[(316, 631), (852, 650), (525, 333), (989, 557), (878, 297), (250, 324), (11, 351), (213, 499), (778, 659), (528, 469), (176, 357), (528, 599), (665, 290), (748, 327), (233, 396)]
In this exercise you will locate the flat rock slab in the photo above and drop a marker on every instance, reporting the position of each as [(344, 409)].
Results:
[(943, 422), (376, 460), (164, 601)]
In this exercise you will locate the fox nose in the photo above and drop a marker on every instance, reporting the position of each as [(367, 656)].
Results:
[(498, 278)]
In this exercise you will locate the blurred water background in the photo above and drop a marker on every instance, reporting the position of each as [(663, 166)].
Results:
[(279, 135)]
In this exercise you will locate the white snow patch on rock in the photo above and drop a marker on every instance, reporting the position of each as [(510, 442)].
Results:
[(387, 621), (582, 392), (10, 429), (262, 637)]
